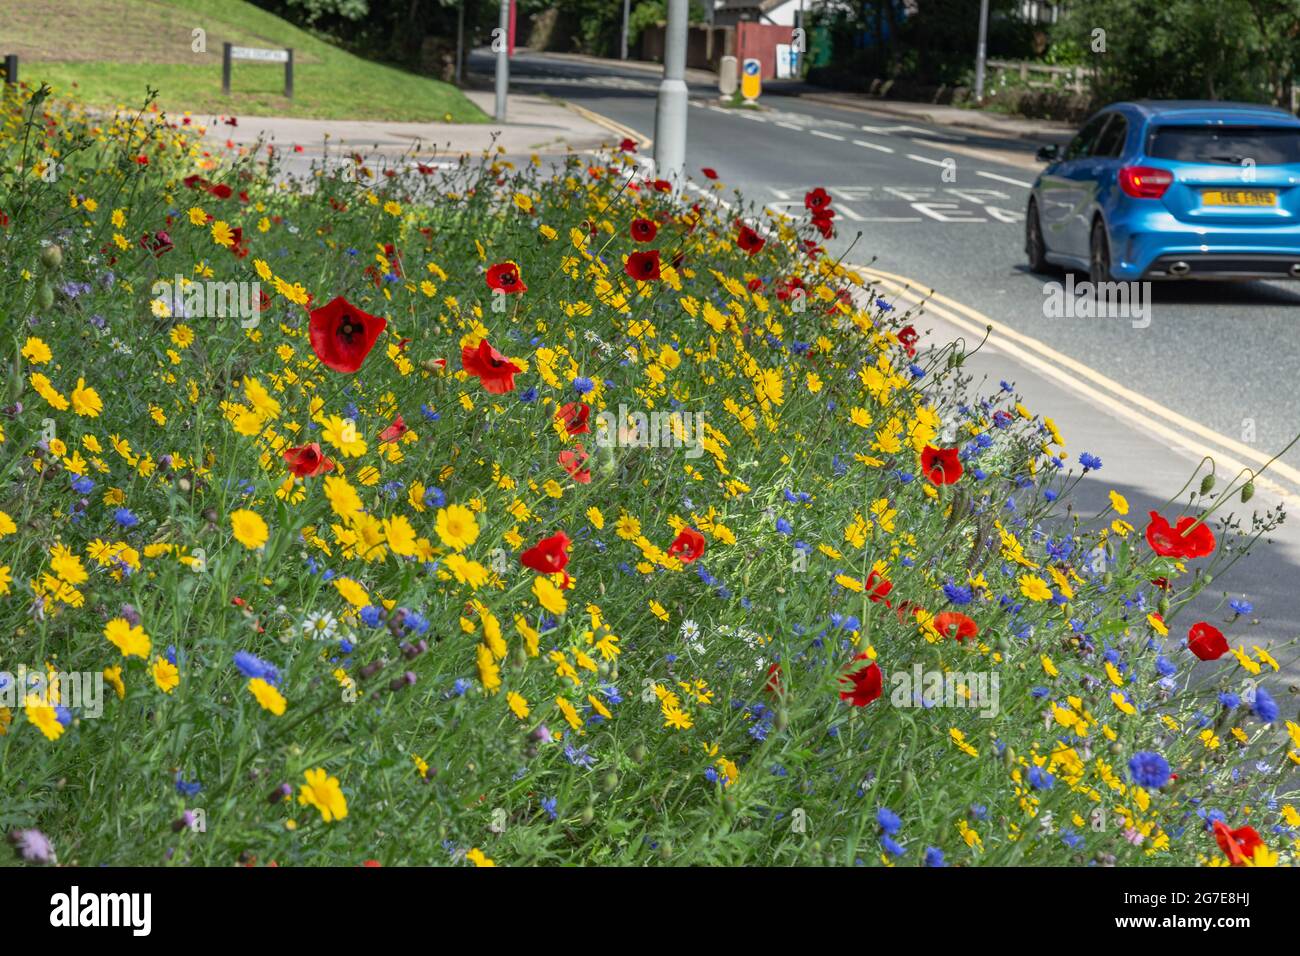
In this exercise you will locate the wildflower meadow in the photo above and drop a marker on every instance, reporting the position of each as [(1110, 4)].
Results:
[(545, 513)]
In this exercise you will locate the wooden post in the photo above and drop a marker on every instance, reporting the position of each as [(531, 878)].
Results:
[(288, 74), (11, 69), (225, 68)]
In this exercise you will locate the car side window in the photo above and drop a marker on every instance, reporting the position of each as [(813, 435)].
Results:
[(1082, 143), (1110, 144)]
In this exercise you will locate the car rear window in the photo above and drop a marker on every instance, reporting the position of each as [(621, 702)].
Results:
[(1264, 145)]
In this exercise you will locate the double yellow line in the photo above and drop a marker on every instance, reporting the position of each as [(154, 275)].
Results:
[(1122, 402), (626, 132)]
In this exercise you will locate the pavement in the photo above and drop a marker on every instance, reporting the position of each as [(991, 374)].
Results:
[(535, 124)]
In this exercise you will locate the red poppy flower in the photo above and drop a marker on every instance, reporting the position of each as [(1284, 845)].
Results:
[(878, 588), (628, 146), (1239, 844), (643, 266), (342, 335), (642, 230), (1173, 543), (157, 244), (773, 685), (941, 465), (687, 546), (867, 683), (306, 461), (494, 370), (549, 555), (824, 225), (748, 240), (575, 416), (504, 277), (816, 199), (661, 186), (907, 337), (709, 173), (572, 462), (393, 431), (221, 191), (955, 624), (1206, 641)]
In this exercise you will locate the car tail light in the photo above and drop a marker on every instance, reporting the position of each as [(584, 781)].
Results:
[(1145, 182)]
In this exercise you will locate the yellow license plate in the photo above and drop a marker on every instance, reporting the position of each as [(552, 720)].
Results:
[(1239, 197)]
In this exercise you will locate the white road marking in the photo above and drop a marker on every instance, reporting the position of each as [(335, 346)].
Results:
[(926, 159), (817, 132), (1004, 179), (863, 142), (797, 129)]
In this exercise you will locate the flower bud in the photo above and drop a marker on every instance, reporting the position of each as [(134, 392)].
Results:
[(52, 257), (280, 794), (1207, 484), (1247, 491), (402, 682)]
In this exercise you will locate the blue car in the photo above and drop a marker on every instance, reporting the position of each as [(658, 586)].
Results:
[(1171, 189)]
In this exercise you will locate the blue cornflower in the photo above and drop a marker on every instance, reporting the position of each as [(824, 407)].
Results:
[(251, 666), (784, 526), (1265, 707), (528, 395), (1090, 462), (1149, 769), (434, 498), (934, 856), (187, 789), (1040, 779), (1241, 607), (125, 518), (1229, 700), (549, 805), (82, 485), (372, 615), (582, 385), (891, 846), (460, 687), (888, 820), (578, 756), (957, 593)]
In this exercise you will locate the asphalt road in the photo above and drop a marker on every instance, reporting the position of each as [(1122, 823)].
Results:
[(945, 206)]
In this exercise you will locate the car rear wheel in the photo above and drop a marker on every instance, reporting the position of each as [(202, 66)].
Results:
[(1099, 255), (1035, 248)]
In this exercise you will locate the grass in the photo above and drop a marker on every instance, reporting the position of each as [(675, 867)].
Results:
[(109, 51)]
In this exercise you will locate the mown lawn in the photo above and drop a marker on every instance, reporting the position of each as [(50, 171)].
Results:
[(111, 51)]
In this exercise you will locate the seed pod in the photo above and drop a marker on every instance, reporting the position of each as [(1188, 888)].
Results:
[(1247, 491), (1008, 757), (588, 814), (782, 719), (52, 257), (1207, 484), (1163, 606), (909, 782), (638, 753), (45, 294), (666, 850), (609, 782)]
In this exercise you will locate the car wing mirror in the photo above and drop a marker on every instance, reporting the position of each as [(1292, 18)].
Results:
[(1047, 154)]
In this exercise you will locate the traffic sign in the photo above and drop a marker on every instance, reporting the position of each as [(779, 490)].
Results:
[(751, 80)]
